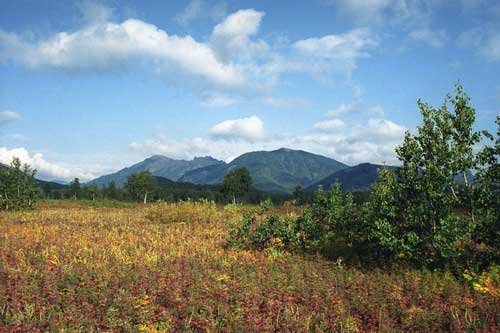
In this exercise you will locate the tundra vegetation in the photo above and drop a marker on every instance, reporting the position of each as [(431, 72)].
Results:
[(420, 254)]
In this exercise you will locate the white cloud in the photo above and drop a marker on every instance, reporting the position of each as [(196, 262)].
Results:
[(231, 37), (107, 45), (330, 125), (341, 51), (250, 129), (233, 62), (45, 169), (190, 12), (8, 116), (379, 130), (436, 39)]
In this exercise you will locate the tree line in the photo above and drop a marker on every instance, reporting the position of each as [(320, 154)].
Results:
[(20, 190)]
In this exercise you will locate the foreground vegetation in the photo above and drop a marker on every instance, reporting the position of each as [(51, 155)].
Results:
[(168, 267)]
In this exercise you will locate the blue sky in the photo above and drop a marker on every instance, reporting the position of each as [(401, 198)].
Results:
[(88, 87)]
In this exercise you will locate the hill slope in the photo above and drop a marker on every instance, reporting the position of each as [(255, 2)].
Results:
[(158, 165), (360, 178), (357, 178), (277, 171)]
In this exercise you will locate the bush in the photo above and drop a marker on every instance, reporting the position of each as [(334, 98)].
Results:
[(17, 186), (260, 230), (328, 226)]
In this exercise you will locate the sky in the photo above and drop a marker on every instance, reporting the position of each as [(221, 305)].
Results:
[(88, 87)]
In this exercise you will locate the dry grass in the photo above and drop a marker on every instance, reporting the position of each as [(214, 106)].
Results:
[(70, 268)]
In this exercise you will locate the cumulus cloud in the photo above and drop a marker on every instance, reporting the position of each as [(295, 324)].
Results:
[(8, 116), (106, 45), (45, 169), (232, 62), (249, 129), (436, 39), (232, 37), (378, 130)]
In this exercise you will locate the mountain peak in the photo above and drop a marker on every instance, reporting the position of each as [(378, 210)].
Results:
[(157, 158), (160, 166), (204, 158), (278, 170), (285, 150)]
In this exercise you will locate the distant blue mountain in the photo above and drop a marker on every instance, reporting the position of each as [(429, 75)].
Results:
[(278, 171), (158, 165)]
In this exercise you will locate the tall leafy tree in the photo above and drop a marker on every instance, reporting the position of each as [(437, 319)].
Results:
[(140, 185), (17, 186), (236, 183), (75, 188), (412, 212), (487, 180), (92, 191), (111, 191)]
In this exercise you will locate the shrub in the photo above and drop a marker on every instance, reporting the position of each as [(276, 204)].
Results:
[(259, 229), (330, 226), (17, 186)]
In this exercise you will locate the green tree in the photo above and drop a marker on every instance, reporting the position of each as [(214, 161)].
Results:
[(17, 186), (92, 191), (411, 212), (236, 183), (487, 180), (111, 191), (300, 196), (75, 189), (140, 185)]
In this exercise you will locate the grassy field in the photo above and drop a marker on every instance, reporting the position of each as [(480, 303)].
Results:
[(72, 268)]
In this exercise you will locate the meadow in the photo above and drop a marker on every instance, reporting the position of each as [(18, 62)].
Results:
[(74, 267)]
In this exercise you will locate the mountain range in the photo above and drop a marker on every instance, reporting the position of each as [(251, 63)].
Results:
[(358, 178), (278, 171), (158, 165)]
